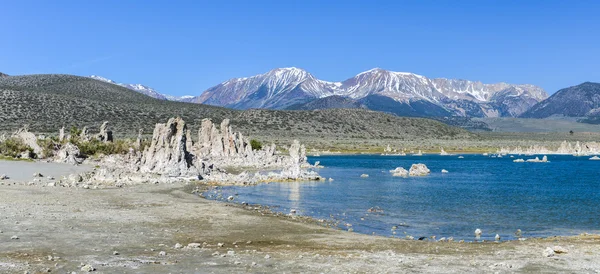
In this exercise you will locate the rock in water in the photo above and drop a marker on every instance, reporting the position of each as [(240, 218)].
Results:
[(418, 170), (478, 233), (399, 172), (518, 233), (537, 160), (168, 154), (595, 158)]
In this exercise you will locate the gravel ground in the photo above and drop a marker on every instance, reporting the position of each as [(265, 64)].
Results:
[(165, 229)]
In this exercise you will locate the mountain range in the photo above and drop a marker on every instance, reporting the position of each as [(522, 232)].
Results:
[(401, 93), (145, 90), (47, 102), (577, 101)]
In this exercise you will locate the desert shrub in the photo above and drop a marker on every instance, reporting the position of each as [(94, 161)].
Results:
[(96, 147), (48, 145), (256, 145), (13, 147), (144, 144)]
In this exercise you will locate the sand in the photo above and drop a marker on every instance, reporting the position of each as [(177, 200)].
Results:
[(124, 230)]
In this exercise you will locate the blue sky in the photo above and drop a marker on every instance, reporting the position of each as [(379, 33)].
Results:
[(185, 47)]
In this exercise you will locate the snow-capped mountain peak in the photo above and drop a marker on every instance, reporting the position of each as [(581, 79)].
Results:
[(283, 87), (102, 79), (146, 90)]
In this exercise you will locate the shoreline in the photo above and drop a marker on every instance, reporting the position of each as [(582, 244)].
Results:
[(331, 224), (127, 230)]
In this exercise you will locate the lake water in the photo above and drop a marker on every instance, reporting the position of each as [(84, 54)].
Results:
[(561, 197)]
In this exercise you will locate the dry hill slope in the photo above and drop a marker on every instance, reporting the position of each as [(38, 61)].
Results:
[(47, 102)]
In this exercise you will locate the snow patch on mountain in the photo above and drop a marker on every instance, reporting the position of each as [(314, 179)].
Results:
[(144, 90)]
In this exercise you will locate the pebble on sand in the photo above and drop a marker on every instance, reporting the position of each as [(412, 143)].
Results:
[(548, 252), (88, 268)]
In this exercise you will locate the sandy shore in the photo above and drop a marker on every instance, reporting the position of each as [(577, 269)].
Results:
[(126, 230)]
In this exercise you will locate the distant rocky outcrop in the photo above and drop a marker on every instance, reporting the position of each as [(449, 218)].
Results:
[(227, 148), (84, 136), (138, 141), (105, 134), (565, 148), (168, 153), (3, 74), (173, 155), (61, 134), (68, 153), (537, 160), (29, 139)]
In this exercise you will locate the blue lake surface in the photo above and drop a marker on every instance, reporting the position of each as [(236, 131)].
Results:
[(561, 197)]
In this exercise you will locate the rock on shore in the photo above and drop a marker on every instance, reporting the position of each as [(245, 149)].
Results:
[(172, 155), (29, 139), (565, 148)]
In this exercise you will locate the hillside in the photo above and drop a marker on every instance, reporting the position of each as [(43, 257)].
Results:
[(145, 90), (562, 125), (3, 75), (47, 102), (577, 101), (330, 102)]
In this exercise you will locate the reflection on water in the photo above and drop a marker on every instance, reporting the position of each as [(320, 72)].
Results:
[(493, 194), (294, 196)]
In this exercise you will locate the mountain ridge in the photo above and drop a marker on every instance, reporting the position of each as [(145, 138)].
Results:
[(48, 102), (144, 90), (582, 100), (283, 87)]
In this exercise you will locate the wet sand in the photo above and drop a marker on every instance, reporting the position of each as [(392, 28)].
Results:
[(22, 171), (124, 230)]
